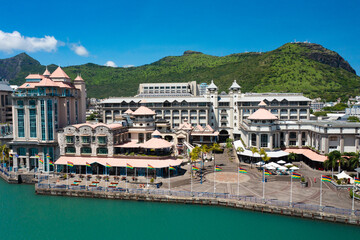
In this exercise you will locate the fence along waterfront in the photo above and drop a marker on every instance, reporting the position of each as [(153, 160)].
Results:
[(250, 199)]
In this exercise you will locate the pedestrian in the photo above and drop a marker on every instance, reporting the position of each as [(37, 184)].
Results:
[(314, 179)]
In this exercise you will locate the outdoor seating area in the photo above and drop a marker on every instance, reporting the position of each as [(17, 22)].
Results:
[(277, 168)]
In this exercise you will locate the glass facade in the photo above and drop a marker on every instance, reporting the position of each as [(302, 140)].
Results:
[(42, 108), (21, 124), (68, 111), (50, 127), (56, 114), (32, 120)]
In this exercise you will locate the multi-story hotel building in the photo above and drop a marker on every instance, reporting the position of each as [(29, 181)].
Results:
[(41, 106), (5, 102), (223, 112)]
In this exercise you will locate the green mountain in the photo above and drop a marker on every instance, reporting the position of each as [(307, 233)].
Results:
[(293, 67)]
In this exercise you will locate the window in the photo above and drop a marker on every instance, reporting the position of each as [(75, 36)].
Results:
[(42, 106), (102, 151), (68, 111), (50, 120), (102, 140), (292, 134), (21, 151), (85, 139), (85, 150), (20, 103), (33, 151), (264, 140), (70, 150), (69, 139), (32, 120), (21, 125), (56, 115)]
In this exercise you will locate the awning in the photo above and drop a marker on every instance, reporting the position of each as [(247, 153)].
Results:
[(248, 153), (156, 143), (132, 144), (308, 153), (119, 162)]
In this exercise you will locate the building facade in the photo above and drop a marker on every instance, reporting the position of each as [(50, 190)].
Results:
[(222, 112), (5, 102), (41, 106)]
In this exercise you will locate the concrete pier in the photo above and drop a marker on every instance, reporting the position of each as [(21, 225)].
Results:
[(260, 207)]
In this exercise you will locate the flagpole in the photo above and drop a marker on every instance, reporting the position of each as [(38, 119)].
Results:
[(291, 188), (147, 177), (67, 175), (86, 175), (126, 177), (191, 172), (238, 187), (320, 190), (214, 179), (353, 199), (169, 178), (263, 184)]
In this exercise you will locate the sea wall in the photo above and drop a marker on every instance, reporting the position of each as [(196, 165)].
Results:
[(318, 215)]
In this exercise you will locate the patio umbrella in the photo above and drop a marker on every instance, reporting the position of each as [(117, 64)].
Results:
[(282, 168), (281, 162), (294, 168), (259, 163), (288, 164), (270, 168)]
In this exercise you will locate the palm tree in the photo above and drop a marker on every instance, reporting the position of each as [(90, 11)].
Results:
[(265, 157), (240, 149), (353, 161), (292, 156), (194, 154), (4, 153), (333, 158), (203, 150), (253, 150), (213, 148)]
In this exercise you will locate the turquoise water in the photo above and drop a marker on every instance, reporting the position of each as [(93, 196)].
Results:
[(24, 215)]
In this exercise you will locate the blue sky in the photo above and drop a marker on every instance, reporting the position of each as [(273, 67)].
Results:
[(141, 32)]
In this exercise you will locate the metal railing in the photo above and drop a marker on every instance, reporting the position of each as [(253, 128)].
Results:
[(250, 199)]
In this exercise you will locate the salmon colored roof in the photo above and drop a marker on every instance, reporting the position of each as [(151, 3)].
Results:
[(143, 101), (47, 82), (198, 128), (119, 162), (129, 111), (79, 78), (46, 73), (131, 144), (34, 76), (156, 133), (59, 73), (93, 126), (262, 104), (144, 111), (308, 153), (156, 143), (29, 85), (262, 114), (185, 125)]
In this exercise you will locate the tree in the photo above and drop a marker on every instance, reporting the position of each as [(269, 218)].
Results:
[(203, 150), (333, 158), (265, 157), (240, 149), (354, 161), (5, 150), (213, 148), (353, 119), (194, 154), (292, 156), (253, 150)]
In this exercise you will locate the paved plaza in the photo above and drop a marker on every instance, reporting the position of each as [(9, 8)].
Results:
[(226, 181)]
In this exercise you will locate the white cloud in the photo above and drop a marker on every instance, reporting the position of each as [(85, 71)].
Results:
[(110, 64), (127, 66), (15, 41), (79, 49)]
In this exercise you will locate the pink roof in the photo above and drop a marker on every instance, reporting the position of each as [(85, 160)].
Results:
[(143, 101), (262, 104), (131, 144), (59, 73), (129, 111), (119, 162), (185, 125), (79, 78), (46, 73), (93, 126), (47, 82), (198, 128), (29, 85), (156, 133), (308, 153), (156, 143), (34, 76), (262, 114), (144, 111), (208, 128)]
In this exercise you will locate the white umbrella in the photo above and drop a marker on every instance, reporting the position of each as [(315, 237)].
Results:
[(259, 163), (282, 168), (270, 168), (294, 168), (275, 165), (281, 162), (288, 164)]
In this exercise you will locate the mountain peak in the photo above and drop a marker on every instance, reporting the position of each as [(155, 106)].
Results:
[(189, 52)]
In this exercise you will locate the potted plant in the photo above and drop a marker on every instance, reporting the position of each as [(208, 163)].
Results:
[(303, 182)]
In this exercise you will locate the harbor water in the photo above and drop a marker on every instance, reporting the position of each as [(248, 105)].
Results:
[(25, 215)]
